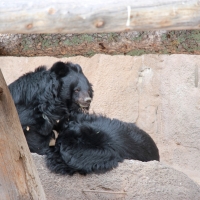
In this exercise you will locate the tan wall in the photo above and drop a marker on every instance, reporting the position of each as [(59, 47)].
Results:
[(159, 93)]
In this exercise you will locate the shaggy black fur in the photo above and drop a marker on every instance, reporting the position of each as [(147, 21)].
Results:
[(44, 96), (95, 144)]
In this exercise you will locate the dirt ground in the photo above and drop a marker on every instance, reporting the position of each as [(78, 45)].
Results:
[(161, 94)]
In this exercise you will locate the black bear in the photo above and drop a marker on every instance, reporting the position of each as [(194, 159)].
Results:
[(44, 97), (90, 143)]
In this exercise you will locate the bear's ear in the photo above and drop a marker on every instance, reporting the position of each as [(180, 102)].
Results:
[(60, 69), (77, 68)]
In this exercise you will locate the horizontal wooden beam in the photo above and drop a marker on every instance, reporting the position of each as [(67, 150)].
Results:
[(97, 16)]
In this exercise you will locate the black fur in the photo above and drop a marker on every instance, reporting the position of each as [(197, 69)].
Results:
[(95, 144), (44, 96)]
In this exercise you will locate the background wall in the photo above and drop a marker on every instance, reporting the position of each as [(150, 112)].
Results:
[(161, 94)]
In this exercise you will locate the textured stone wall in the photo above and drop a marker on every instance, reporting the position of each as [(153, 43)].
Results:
[(160, 93)]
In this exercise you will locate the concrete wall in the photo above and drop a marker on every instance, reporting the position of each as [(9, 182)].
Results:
[(160, 93)]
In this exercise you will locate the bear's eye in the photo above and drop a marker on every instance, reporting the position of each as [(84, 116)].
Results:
[(76, 90)]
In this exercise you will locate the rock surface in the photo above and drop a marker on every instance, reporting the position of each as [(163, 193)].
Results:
[(160, 93), (131, 180)]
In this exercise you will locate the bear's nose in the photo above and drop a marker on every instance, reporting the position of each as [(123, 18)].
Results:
[(88, 99)]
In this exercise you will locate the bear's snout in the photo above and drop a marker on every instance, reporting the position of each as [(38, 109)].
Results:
[(88, 100)]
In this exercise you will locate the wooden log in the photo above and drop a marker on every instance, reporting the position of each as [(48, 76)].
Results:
[(18, 175), (89, 16), (132, 43)]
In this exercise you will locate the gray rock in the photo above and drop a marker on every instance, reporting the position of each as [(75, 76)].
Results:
[(131, 180)]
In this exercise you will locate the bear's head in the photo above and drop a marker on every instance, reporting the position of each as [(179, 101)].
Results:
[(75, 88)]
